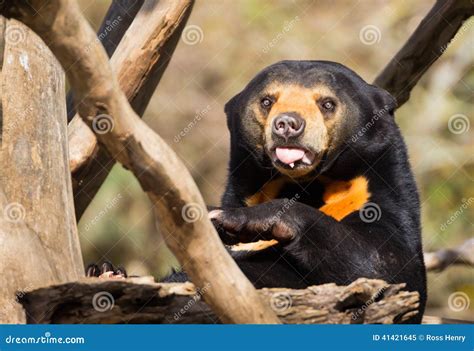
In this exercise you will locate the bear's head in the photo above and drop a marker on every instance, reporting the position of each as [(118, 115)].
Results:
[(299, 116)]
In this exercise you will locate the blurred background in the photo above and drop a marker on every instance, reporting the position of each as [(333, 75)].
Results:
[(226, 44)]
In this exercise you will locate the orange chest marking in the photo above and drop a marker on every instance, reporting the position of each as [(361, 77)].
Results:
[(341, 198), (268, 192)]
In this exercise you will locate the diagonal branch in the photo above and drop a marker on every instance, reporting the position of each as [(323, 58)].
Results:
[(424, 47), (118, 18), (139, 63), (172, 191)]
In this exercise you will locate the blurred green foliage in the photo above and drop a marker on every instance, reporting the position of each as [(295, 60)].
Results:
[(238, 39)]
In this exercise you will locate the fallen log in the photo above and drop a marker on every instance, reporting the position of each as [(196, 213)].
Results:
[(140, 300)]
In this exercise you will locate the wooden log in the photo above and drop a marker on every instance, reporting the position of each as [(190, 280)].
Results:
[(139, 63), (24, 264), (178, 205), (141, 300), (424, 47), (38, 234)]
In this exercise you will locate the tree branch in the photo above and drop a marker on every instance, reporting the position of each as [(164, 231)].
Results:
[(461, 255), (143, 301), (424, 47), (139, 63), (104, 107), (118, 18)]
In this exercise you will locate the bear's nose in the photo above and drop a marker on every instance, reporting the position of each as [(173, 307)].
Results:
[(288, 125)]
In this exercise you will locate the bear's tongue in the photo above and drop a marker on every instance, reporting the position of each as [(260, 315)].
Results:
[(289, 155)]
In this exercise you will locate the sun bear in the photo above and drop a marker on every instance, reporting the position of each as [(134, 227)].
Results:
[(319, 186)]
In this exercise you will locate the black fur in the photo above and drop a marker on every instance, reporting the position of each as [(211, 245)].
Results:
[(313, 247)]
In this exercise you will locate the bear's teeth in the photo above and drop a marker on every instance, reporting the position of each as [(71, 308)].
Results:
[(306, 159), (292, 165)]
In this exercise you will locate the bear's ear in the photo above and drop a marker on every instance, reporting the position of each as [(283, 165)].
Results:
[(383, 100), (231, 110)]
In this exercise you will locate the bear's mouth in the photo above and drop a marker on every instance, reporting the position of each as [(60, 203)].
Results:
[(293, 157)]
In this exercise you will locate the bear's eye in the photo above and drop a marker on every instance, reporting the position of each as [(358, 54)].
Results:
[(328, 105), (266, 102)]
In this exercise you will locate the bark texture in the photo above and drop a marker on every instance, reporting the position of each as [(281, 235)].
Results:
[(139, 63), (118, 18), (178, 205), (143, 301), (39, 243)]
